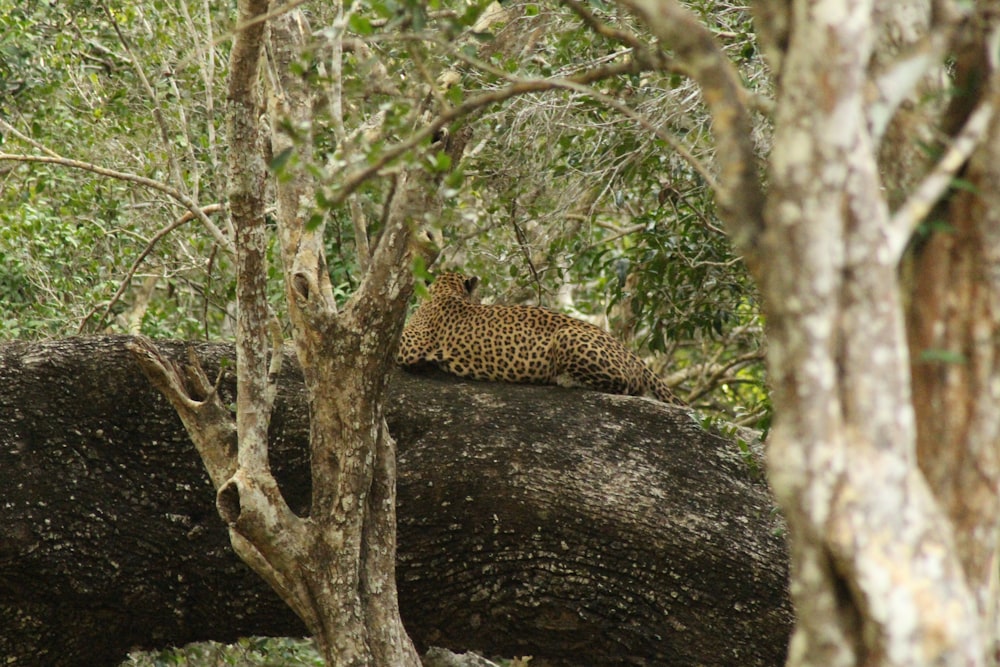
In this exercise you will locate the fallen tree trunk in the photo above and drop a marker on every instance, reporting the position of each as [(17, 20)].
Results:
[(564, 524)]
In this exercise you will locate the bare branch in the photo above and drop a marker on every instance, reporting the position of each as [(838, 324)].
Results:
[(173, 193), (248, 24), (161, 123), (336, 42), (718, 373), (290, 101), (184, 219), (638, 58), (920, 202), (741, 196), (645, 123), (649, 58), (209, 423), (360, 175), (895, 84)]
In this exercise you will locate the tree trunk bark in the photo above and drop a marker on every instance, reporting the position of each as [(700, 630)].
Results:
[(870, 544), (954, 335), (568, 525)]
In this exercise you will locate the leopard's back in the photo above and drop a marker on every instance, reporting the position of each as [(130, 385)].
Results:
[(528, 344)]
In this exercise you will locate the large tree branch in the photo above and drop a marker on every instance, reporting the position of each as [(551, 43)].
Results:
[(563, 524)]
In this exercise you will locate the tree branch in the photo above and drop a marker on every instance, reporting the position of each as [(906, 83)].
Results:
[(197, 403), (335, 40), (154, 102), (173, 193), (740, 196), (565, 524), (923, 198), (355, 178), (127, 280)]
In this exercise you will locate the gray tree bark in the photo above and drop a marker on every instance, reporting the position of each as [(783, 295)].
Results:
[(569, 525), (884, 465)]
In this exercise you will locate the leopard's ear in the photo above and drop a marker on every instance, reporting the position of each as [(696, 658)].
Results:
[(470, 285)]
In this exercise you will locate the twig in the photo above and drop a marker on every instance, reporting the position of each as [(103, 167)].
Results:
[(208, 288), (361, 246), (161, 122), (173, 193), (929, 191), (184, 219), (645, 123), (522, 242), (218, 41), (650, 58), (577, 82), (741, 195), (641, 58), (714, 374)]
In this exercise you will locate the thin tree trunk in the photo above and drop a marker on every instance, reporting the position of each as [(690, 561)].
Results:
[(322, 561)]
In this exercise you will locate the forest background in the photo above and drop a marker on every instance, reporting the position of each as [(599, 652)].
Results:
[(613, 157), (564, 197)]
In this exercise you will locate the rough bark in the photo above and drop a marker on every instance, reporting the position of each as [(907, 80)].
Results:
[(877, 563), (333, 561), (954, 333), (869, 543), (569, 525)]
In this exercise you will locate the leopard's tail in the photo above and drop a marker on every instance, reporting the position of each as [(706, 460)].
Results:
[(658, 389)]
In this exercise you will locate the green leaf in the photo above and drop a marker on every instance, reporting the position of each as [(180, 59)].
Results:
[(421, 277), (279, 161), (963, 184), (940, 355), (443, 161), (385, 9), (455, 179), (454, 95), (314, 221), (360, 24), (929, 227)]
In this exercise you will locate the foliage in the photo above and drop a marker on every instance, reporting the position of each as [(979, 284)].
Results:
[(594, 198), (248, 651), (69, 236), (575, 196), (251, 652)]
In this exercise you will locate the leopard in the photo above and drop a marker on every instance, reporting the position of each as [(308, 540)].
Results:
[(453, 331)]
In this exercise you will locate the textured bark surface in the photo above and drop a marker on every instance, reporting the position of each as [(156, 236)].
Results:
[(334, 567), (954, 331), (869, 543), (563, 524), (878, 576)]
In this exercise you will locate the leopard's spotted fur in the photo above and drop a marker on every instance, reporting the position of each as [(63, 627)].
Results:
[(519, 344)]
